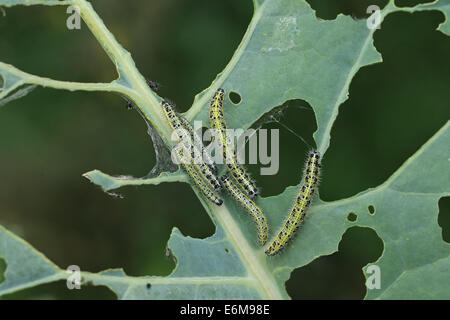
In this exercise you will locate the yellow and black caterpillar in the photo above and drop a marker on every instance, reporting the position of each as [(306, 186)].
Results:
[(199, 172), (254, 211), (184, 135), (301, 204), (199, 181), (198, 145), (204, 174), (217, 119)]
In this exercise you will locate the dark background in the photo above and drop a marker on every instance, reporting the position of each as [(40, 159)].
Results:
[(50, 137)]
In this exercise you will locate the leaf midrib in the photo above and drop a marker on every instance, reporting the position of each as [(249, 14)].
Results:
[(267, 286)]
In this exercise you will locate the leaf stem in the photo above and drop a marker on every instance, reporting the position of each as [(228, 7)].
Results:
[(147, 102), (57, 84)]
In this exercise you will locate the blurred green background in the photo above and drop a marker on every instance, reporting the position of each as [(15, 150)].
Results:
[(49, 138)]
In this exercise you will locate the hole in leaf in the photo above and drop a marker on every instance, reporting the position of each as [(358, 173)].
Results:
[(166, 214), (352, 217), (339, 275), (371, 209), (380, 143), (2, 270), (295, 121), (444, 218), (235, 97), (329, 9), (148, 286), (227, 250)]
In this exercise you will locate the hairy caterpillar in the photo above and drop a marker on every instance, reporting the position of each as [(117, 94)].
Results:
[(198, 144), (200, 183), (196, 161), (302, 202), (218, 122), (255, 212)]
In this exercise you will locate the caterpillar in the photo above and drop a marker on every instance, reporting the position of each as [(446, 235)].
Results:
[(198, 144), (301, 204), (201, 184), (176, 124), (255, 212), (217, 119)]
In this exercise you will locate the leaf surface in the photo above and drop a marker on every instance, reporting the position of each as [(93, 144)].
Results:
[(287, 53)]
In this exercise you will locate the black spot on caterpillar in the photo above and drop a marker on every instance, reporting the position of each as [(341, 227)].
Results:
[(216, 115), (254, 211), (196, 157), (301, 204), (198, 180), (201, 175), (198, 144)]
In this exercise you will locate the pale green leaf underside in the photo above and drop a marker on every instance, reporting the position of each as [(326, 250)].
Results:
[(410, 233), (427, 281), (10, 3), (108, 183), (289, 55)]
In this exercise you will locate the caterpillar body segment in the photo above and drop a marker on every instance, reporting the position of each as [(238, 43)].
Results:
[(198, 144), (198, 180), (300, 206), (196, 158), (248, 204), (218, 123), (216, 111), (242, 178)]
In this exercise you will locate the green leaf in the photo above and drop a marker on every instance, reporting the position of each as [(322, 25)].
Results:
[(405, 219), (426, 282), (108, 183), (281, 50), (219, 268), (26, 267), (287, 53), (10, 3)]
